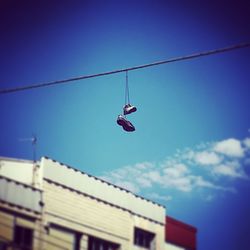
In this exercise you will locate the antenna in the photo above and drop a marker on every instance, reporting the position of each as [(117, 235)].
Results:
[(33, 141)]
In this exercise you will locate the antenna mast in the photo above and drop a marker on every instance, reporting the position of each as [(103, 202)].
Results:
[(33, 141)]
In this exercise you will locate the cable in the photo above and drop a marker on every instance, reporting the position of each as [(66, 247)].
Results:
[(175, 59), (127, 101)]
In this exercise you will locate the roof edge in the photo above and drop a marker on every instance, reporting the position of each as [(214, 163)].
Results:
[(181, 224), (104, 181), (15, 159)]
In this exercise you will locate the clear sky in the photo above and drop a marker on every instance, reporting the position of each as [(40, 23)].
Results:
[(191, 148)]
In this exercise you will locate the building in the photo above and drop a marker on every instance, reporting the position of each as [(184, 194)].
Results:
[(49, 205)]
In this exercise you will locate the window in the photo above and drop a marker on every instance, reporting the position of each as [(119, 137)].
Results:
[(98, 244), (63, 238), (143, 238), (3, 245), (23, 237)]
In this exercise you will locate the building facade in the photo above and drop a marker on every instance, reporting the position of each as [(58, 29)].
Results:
[(49, 205)]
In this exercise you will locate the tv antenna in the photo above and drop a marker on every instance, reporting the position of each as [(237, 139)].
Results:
[(33, 141)]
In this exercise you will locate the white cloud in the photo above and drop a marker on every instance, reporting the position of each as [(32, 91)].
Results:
[(232, 169), (209, 198), (144, 182), (200, 182), (176, 177), (230, 147), (181, 183), (247, 161), (144, 165), (176, 171), (222, 161), (128, 185), (246, 142), (156, 196), (225, 170), (207, 158), (189, 154), (153, 176)]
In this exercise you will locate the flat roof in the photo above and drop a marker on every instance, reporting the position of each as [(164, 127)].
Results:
[(15, 159)]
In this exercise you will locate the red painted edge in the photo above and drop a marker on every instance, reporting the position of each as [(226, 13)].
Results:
[(180, 233)]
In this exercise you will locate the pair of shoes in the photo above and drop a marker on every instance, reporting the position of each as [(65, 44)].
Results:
[(122, 121), (128, 109), (127, 125)]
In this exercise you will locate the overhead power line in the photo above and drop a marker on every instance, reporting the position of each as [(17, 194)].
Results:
[(171, 60)]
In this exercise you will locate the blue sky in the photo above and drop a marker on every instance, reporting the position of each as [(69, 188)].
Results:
[(190, 151)]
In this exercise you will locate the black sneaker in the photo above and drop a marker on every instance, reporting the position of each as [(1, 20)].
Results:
[(121, 120), (128, 109), (127, 125)]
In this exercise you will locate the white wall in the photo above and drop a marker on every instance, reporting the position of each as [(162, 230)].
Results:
[(169, 246), (20, 195), (18, 170), (101, 190)]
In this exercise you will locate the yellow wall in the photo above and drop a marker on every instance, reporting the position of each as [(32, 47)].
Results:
[(86, 215), (6, 226), (9, 219), (92, 217)]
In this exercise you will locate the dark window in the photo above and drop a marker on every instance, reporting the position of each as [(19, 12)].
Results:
[(3, 245), (23, 237), (143, 238), (77, 244), (98, 244), (65, 237)]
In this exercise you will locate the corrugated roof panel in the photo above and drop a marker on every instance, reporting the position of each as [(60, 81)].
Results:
[(92, 186), (18, 170), (20, 195)]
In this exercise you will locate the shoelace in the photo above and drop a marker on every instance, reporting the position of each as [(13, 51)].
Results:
[(127, 101)]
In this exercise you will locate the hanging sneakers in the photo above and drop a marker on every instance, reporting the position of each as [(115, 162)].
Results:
[(127, 125), (128, 109), (122, 121)]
